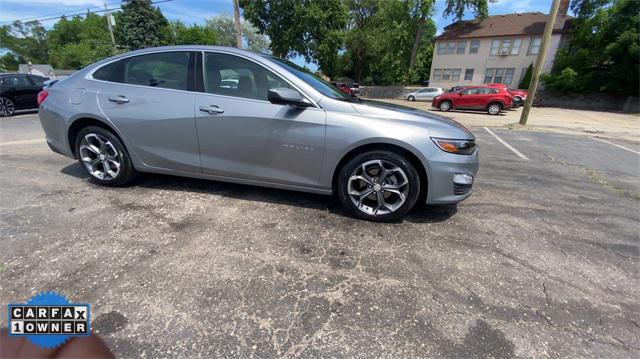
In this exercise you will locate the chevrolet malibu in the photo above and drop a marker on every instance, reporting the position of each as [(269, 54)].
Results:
[(232, 115)]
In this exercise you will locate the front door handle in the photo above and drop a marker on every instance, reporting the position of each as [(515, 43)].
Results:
[(119, 99), (211, 109)]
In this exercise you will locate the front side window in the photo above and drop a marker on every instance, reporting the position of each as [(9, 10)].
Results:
[(534, 46), (17, 81), (231, 75), (461, 47), (473, 47), (468, 74), (163, 70)]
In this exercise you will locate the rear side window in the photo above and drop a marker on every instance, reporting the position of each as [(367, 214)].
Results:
[(113, 72), (164, 70)]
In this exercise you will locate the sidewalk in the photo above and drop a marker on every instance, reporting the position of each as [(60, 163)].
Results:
[(578, 122)]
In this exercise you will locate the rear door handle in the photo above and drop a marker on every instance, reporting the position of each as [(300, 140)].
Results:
[(211, 109), (119, 99)]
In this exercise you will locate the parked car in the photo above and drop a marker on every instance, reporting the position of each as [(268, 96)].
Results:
[(165, 110), (427, 93), (519, 96), (19, 92), (352, 88), (490, 99)]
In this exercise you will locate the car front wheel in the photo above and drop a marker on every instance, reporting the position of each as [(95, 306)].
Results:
[(445, 106), (104, 157), (411, 98), (379, 186), (494, 108), (7, 108)]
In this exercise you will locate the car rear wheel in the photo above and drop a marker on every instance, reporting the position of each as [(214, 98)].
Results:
[(104, 157), (379, 186), (445, 106), (411, 98), (494, 108), (7, 108)]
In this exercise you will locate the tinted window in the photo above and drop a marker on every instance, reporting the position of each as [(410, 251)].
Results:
[(231, 75), (38, 80), (164, 70), (113, 72), (312, 80), (17, 81)]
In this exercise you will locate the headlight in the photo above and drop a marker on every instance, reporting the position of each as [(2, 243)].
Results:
[(459, 147)]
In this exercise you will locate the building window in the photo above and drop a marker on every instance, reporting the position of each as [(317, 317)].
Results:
[(446, 74), (495, 46), (462, 46), (504, 76), (451, 47), (442, 46), (473, 47), (534, 46), (437, 74), (505, 47), (468, 74), (515, 49)]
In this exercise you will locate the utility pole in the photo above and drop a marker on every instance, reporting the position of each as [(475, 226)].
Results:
[(106, 9), (236, 16), (537, 68)]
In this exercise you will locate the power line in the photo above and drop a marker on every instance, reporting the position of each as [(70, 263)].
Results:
[(84, 12), (34, 18)]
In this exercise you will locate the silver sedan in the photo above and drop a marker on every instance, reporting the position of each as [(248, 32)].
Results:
[(231, 115)]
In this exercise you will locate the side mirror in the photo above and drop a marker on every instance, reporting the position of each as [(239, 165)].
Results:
[(285, 96)]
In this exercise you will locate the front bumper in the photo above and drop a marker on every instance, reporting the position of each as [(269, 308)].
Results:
[(452, 177)]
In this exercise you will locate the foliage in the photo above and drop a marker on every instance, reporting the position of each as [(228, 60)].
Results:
[(603, 49), (565, 82), (9, 62), (458, 7), (313, 29), (225, 29), (27, 40), (79, 42), (141, 25), (192, 35), (526, 79)]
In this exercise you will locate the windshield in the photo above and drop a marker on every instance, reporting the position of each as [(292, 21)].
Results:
[(312, 80)]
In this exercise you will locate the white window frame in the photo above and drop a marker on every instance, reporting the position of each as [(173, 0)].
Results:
[(442, 48), (474, 49), (495, 47)]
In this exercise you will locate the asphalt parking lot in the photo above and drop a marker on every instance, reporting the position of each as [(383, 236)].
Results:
[(542, 261)]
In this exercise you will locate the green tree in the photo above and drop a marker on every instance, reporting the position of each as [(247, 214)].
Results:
[(313, 29), (78, 42), (9, 62), (603, 49), (141, 25), (27, 40), (457, 8), (225, 29), (192, 35), (526, 79)]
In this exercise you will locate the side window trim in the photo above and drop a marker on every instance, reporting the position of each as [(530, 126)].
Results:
[(276, 74)]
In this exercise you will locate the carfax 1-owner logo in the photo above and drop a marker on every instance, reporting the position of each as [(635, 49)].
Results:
[(48, 319)]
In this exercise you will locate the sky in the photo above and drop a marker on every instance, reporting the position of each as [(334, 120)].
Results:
[(196, 11)]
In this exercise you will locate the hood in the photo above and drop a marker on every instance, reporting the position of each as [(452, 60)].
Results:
[(438, 125)]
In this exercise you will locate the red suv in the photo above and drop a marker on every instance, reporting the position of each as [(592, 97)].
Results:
[(490, 99)]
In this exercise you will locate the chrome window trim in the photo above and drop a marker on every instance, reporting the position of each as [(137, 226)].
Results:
[(89, 75)]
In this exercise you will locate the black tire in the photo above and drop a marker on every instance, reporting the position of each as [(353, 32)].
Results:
[(491, 109), (411, 98), (387, 157), (126, 172), (7, 107), (445, 105)]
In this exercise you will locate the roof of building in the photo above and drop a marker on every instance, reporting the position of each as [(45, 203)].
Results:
[(528, 23)]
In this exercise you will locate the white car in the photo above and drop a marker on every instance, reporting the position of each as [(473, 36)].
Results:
[(427, 93)]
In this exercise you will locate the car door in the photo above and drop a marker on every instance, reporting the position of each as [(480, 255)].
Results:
[(466, 98), (150, 100), (242, 135)]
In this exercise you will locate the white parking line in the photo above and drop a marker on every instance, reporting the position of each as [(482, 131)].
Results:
[(613, 144), (507, 145), (23, 142)]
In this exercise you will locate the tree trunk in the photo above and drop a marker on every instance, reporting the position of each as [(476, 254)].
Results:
[(236, 17), (416, 43)]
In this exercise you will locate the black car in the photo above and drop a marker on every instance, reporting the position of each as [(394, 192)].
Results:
[(19, 92)]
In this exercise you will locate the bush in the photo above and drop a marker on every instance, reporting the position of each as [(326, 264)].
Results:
[(565, 82), (526, 79)]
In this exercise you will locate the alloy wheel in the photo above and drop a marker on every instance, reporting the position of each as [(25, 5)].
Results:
[(100, 157), (378, 187), (6, 107), (494, 109), (444, 106)]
